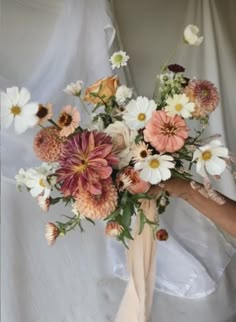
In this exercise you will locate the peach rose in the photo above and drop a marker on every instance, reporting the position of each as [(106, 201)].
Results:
[(105, 88)]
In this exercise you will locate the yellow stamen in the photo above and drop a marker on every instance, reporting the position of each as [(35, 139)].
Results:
[(154, 164), (178, 107), (41, 183), (141, 117), (206, 155), (15, 110)]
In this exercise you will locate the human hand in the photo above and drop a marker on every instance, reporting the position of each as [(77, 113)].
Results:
[(176, 187)]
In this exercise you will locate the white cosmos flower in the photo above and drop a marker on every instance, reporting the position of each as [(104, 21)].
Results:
[(210, 158), (123, 93), (119, 59), (179, 105), (155, 168), (21, 178), (38, 184), (17, 108), (138, 112), (191, 35), (74, 88)]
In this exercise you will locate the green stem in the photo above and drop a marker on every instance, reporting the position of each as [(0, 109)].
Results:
[(54, 123), (84, 106)]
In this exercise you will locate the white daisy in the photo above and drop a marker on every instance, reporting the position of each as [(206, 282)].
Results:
[(16, 107), (210, 158), (44, 203), (138, 112), (119, 59), (123, 93), (191, 35), (21, 178), (179, 105), (74, 88), (155, 168)]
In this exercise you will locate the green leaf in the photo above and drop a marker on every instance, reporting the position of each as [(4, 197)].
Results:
[(127, 214), (90, 220)]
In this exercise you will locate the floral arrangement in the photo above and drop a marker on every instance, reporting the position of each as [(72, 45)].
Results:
[(103, 171)]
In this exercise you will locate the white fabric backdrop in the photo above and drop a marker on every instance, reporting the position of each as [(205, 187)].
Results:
[(61, 283)]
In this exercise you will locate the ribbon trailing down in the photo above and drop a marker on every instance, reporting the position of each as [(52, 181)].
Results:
[(137, 300)]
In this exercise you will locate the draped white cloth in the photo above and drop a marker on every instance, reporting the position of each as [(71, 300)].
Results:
[(69, 282)]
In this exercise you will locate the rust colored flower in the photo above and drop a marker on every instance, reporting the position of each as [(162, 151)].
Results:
[(51, 233), (113, 229), (205, 96), (166, 133), (162, 234), (68, 120), (104, 88), (87, 160), (97, 206), (44, 113), (48, 144)]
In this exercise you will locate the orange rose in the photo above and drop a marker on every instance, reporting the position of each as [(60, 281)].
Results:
[(105, 88)]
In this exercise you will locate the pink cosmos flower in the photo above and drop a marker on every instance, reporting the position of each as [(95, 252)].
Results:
[(166, 133), (86, 160), (68, 120)]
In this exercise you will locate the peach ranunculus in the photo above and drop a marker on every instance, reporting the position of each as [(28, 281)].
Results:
[(104, 88), (137, 185), (166, 133)]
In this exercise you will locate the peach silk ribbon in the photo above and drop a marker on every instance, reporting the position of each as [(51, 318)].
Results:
[(137, 299)]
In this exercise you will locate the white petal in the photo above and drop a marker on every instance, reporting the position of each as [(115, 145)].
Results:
[(7, 119), (196, 154), (220, 151), (165, 173), (166, 157), (155, 177), (215, 166), (167, 164), (13, 93), (146, 174), (139, 165), (24, 96), (215, 143), (201, 169), (21, 124), (30, 109), (5, 101)]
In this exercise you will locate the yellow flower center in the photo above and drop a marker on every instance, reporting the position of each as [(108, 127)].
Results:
[(206, 155), (178, 107), (15, 110), (154, 164), (83, 166), (141, 117), (42, 183)]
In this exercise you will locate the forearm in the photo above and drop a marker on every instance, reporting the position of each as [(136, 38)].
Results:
[(222, 215)]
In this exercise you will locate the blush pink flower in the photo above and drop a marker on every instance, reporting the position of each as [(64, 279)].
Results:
[(166, 133), (205, 96), (86, 161), (68, 120), (136, 184), (97, 206), (113, 229)]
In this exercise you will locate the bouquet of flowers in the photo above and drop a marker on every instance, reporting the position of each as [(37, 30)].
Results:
[(103, 171)]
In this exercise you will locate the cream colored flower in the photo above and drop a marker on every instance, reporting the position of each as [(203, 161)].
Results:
[(191, 35), (123, 140), (74, 88), (123, 93), (140, 152), (179, 105)]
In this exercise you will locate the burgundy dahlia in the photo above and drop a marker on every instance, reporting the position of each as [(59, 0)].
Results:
[(86, 161)]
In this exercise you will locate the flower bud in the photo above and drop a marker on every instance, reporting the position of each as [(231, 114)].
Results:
[(161, 234)]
